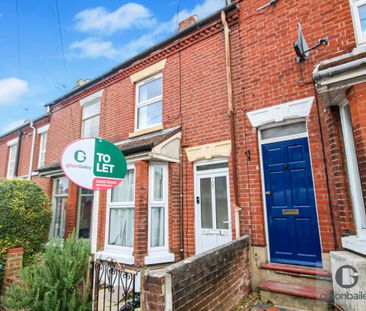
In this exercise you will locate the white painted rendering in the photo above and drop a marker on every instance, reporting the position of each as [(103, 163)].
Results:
[(279, 113)]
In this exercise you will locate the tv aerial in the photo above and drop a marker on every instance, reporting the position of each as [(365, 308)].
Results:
[(301, 47), (272, 2)]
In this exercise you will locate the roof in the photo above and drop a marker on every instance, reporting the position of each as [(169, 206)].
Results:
[(23, 126), (146, 142), (146, 53), (49, 167)]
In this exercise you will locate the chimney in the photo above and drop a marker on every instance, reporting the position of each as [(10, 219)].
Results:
[(189, 21), (81, 82)]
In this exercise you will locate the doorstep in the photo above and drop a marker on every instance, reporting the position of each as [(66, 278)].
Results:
[(300, 270)]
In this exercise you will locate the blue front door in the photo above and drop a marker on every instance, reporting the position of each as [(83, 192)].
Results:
[(291, 212)]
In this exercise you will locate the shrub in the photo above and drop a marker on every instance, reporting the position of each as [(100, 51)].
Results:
[(57, 281), (25, 216)]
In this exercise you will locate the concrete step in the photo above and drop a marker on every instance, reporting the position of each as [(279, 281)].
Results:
[(296, 274), (295, 296)]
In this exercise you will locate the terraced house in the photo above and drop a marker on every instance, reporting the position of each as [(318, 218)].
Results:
[(225, 134)]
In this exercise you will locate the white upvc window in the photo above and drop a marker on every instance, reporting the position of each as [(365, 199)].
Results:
[(355, 186), (149, 102), (42, 148), (90, 123), (120, 219), (59, 204), (158, 243), (358, 8), (12, 160)]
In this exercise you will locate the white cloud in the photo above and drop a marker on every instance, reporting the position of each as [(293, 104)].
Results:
[(12, 89), (127, 16), (95, 47), (12, 125)]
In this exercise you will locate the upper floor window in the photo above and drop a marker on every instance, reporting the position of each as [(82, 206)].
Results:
[(149, 102), (359, 19), (90, 126), (12, 160), (43, 135)]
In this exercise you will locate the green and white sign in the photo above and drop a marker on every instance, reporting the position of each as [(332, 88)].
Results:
[(94, 164)]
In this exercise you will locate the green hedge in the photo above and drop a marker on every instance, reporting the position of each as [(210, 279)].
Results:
[(25, 217)]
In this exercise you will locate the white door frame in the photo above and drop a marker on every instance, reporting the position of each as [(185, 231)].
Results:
[(209, 173)]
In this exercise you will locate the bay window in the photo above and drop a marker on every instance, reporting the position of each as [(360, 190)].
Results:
[(59, 204), (85, 208), (158, 244), (149, 102), (120, 222)]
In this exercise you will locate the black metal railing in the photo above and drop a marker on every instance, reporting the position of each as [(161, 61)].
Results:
[(114, 287)]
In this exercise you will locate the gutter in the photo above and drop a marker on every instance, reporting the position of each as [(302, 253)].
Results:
[(147, 52), (32, 149), (20, 136), (330, 72)]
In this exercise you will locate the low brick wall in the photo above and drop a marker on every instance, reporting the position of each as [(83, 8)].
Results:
[(13, 265), (214, 280)]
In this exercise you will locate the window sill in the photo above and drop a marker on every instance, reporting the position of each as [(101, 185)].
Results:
[(355, 244), (120, 257), (159, 257), (146, 131)]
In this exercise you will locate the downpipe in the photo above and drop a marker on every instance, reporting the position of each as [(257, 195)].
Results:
[(231, 113)]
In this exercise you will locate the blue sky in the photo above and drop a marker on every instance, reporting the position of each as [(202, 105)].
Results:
[(38, 64)]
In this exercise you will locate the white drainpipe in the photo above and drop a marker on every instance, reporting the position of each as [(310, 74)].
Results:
[(32, 150)]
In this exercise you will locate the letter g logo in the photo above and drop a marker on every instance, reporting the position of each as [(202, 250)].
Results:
[(346, 276), (80, 156)]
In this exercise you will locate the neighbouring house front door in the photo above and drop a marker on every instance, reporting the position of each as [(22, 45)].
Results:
[(213, 225), (290, 201)]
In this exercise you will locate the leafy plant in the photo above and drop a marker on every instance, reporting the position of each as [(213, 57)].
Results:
[(25, 216), (56, 281)]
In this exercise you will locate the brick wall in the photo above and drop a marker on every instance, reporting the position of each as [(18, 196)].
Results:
[(215, 280), (13, 265), (270, 76)]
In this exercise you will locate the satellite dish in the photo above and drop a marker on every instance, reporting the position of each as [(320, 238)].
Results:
[(301, 47)]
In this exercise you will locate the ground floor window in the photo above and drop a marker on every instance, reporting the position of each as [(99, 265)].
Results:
[(121, 202), (85, 208), (158, 244), (158, 199), (353, 171), (59, 203)]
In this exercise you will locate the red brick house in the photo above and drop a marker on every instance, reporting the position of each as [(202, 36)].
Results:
[(225, 134)]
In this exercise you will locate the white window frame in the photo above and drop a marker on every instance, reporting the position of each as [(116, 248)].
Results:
[(149, 101), (356, 20), (84, 119), (122, 253), (42, 148), (353, 242), (12, 151), (159, 254), (54, 197)]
